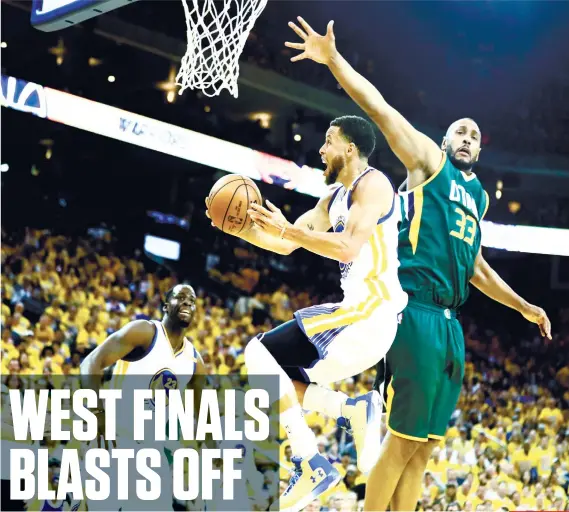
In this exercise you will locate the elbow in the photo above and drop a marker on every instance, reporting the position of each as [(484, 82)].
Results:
[(478, 279), (349, 251), (347, 255), (86, 361), (91, 364), (86, 365), (482, 273)]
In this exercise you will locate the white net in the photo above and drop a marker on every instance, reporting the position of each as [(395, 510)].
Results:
[(217, 32)]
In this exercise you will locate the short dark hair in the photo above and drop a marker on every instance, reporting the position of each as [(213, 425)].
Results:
[(169, 294), (167, 297), (357, 130)]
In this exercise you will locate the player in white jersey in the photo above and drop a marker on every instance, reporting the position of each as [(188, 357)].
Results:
[(152, 354), (330, 342)]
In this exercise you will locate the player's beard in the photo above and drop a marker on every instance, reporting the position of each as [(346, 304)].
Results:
[(461, 165), (183, 324), (334, 169)]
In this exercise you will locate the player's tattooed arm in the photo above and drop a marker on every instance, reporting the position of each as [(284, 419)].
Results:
[(415, 150), (487, 280)]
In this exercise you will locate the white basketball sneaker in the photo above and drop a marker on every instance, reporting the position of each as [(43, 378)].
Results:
[(361, 417)]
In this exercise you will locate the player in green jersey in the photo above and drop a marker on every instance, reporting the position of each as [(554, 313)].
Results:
[(439, 249)]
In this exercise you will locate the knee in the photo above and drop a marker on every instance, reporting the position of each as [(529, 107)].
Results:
[(260, 364), (424, 452), (401, 449), (252, 348), (255, 355)]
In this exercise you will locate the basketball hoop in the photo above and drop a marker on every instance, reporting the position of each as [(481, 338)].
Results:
[(216, 37)]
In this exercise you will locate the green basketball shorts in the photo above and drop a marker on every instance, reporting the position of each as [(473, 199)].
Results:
[(427, 364)]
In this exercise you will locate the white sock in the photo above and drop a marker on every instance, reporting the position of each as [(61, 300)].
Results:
[(324, 400), (302, 439), (260, 363)]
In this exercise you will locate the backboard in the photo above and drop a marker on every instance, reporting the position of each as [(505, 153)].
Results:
[(52, 15)]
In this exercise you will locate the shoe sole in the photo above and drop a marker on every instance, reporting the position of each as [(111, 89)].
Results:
[(372, 439), (328, 483)]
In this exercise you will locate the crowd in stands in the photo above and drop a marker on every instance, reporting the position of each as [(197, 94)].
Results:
[(507, 447)]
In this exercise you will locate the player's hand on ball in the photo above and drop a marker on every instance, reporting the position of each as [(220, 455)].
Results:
[(207, 212), (538, 316), (318, 48), (271, 220)]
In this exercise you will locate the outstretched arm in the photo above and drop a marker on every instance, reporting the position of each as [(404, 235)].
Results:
[(487, 280), (316, 219), (372, 199), (413, 148)]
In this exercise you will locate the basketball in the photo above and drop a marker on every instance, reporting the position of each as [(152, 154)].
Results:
[(229, 200)]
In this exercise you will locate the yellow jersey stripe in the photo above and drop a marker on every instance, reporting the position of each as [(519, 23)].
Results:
[(378, 291), (487, 205), (416, 221), (377, 255), (372, 283), (179, 351), (310, 323), (384, 262), (384, 290), (119, 373), (116, 373), (373, 287), (359, 315), (390, 396), (342, 317), (380, 263)]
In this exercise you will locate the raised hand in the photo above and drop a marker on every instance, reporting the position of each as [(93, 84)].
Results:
[(318, 48)]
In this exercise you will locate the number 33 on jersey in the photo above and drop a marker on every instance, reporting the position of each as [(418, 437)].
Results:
[(440, 236)]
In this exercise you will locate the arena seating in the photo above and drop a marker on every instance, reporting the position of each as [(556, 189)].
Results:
[(507, 446)]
